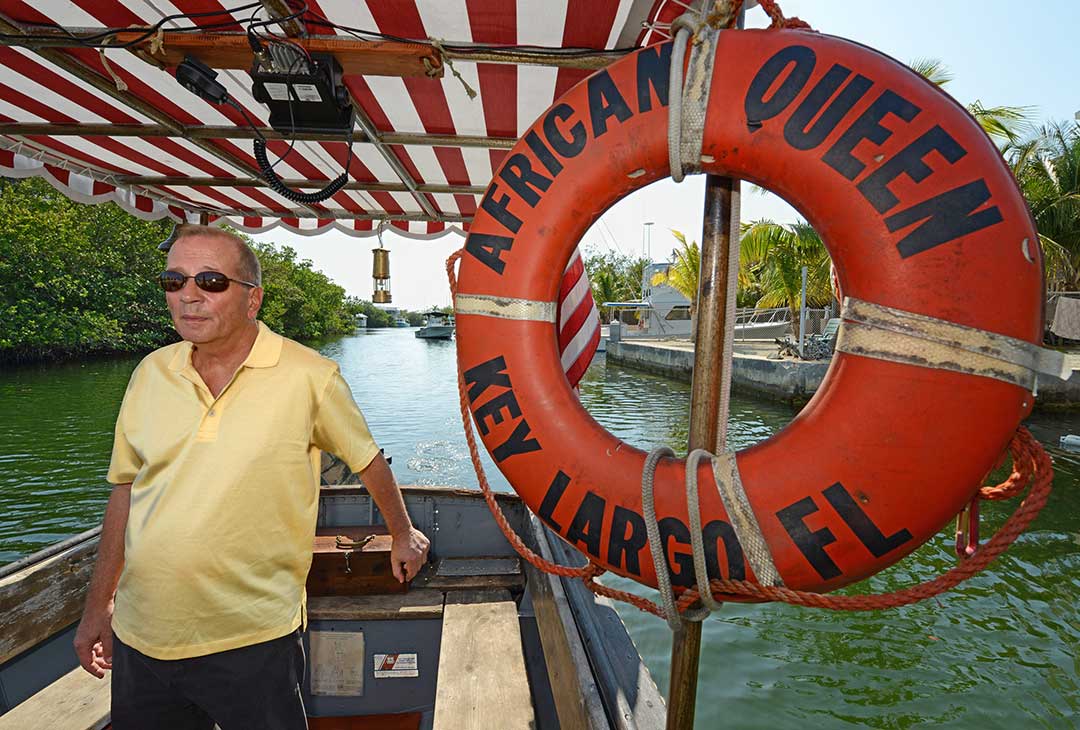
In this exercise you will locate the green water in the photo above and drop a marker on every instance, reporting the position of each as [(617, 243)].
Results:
[(1001, 651)]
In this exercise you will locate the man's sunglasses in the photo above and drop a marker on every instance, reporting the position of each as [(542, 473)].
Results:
[(211, 281)]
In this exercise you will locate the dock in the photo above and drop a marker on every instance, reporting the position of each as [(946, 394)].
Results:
[(755, 373)]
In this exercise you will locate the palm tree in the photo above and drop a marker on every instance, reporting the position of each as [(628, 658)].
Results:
[(771, 257), (1002, 123), (1047, 167), (605, 288), (682, 275), (635, 276)]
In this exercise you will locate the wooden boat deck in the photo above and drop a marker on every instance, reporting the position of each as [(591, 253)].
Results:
[(499, 644), (76, 701), (482, 679)]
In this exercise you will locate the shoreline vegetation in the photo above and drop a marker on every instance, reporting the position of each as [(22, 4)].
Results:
[(78, 281)]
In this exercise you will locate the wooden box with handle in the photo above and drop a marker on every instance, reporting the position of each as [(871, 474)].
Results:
[(352, 561)]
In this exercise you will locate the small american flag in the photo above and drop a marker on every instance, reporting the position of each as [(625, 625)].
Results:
[(579, 321)]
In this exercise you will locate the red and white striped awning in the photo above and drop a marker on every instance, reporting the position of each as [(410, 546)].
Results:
[(107, 125)]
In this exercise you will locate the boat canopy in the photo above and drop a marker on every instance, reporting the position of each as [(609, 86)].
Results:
[(442, 89)]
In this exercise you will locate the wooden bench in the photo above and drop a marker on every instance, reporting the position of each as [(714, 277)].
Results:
[(76, 701), (416, 604), (482, 679)]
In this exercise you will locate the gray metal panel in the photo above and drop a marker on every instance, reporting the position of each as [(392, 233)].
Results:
[(465, 528), (37, 668), (458, 525), (396, 695), (360, 509)]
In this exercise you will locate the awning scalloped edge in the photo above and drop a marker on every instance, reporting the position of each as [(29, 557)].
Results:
[(85, 188)]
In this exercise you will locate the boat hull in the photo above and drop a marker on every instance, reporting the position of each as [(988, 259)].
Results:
[(435, 333), (476, 571), (761, 331)]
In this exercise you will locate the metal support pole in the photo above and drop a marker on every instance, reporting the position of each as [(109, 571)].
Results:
[(708, 403), (802, 315)]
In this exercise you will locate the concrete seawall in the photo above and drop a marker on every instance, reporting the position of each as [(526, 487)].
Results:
[(791, 381), (1058, 395)]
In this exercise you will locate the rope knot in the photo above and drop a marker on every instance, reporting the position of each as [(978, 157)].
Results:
[(445, 60), (1023, 449), (772, 9), (157, 43), (724, 15), (121, 86)]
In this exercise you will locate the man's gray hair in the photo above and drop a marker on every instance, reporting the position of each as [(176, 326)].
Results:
[(250, 268)]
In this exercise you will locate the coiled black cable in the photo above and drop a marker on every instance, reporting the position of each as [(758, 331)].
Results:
[(296, 196), (266, 169)]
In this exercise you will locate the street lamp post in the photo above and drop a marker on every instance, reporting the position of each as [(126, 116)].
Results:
[(646, 252)]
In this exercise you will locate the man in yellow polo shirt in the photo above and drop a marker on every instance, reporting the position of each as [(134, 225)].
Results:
[(197, 599)]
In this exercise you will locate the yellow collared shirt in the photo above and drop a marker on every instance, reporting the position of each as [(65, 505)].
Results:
[(225, 494)]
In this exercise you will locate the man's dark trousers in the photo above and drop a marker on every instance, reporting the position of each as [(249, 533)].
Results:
[(254, 687)]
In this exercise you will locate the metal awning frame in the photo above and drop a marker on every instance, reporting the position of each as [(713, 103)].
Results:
[(133, 191)]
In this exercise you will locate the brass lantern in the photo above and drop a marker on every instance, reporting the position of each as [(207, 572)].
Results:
[(380, 272)]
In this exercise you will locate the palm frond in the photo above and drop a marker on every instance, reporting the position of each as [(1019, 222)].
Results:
[(1047, 168), (1003, 122), (1062, 272), (933, 70), (771, 260), (684, 272)]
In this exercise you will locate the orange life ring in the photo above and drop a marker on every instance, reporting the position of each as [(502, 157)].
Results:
[(919, 212)]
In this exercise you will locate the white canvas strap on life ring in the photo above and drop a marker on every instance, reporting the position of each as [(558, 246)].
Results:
[(689, 103), (743, 521), (505, 307), (884, 333)]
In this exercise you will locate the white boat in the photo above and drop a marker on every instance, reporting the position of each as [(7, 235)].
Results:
[(437, 326), (762, 324), (663, 312)]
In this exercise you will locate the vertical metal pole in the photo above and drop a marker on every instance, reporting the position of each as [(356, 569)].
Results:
[(802, 314), (708, 404)]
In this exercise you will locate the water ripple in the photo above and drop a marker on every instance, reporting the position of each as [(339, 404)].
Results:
[(999, 651)]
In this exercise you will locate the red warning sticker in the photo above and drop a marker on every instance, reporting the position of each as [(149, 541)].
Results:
[(396, 665)]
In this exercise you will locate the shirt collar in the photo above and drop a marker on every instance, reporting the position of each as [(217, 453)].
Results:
[(265, 352)]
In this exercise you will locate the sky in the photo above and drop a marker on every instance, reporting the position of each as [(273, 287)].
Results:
[(999, 52)]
